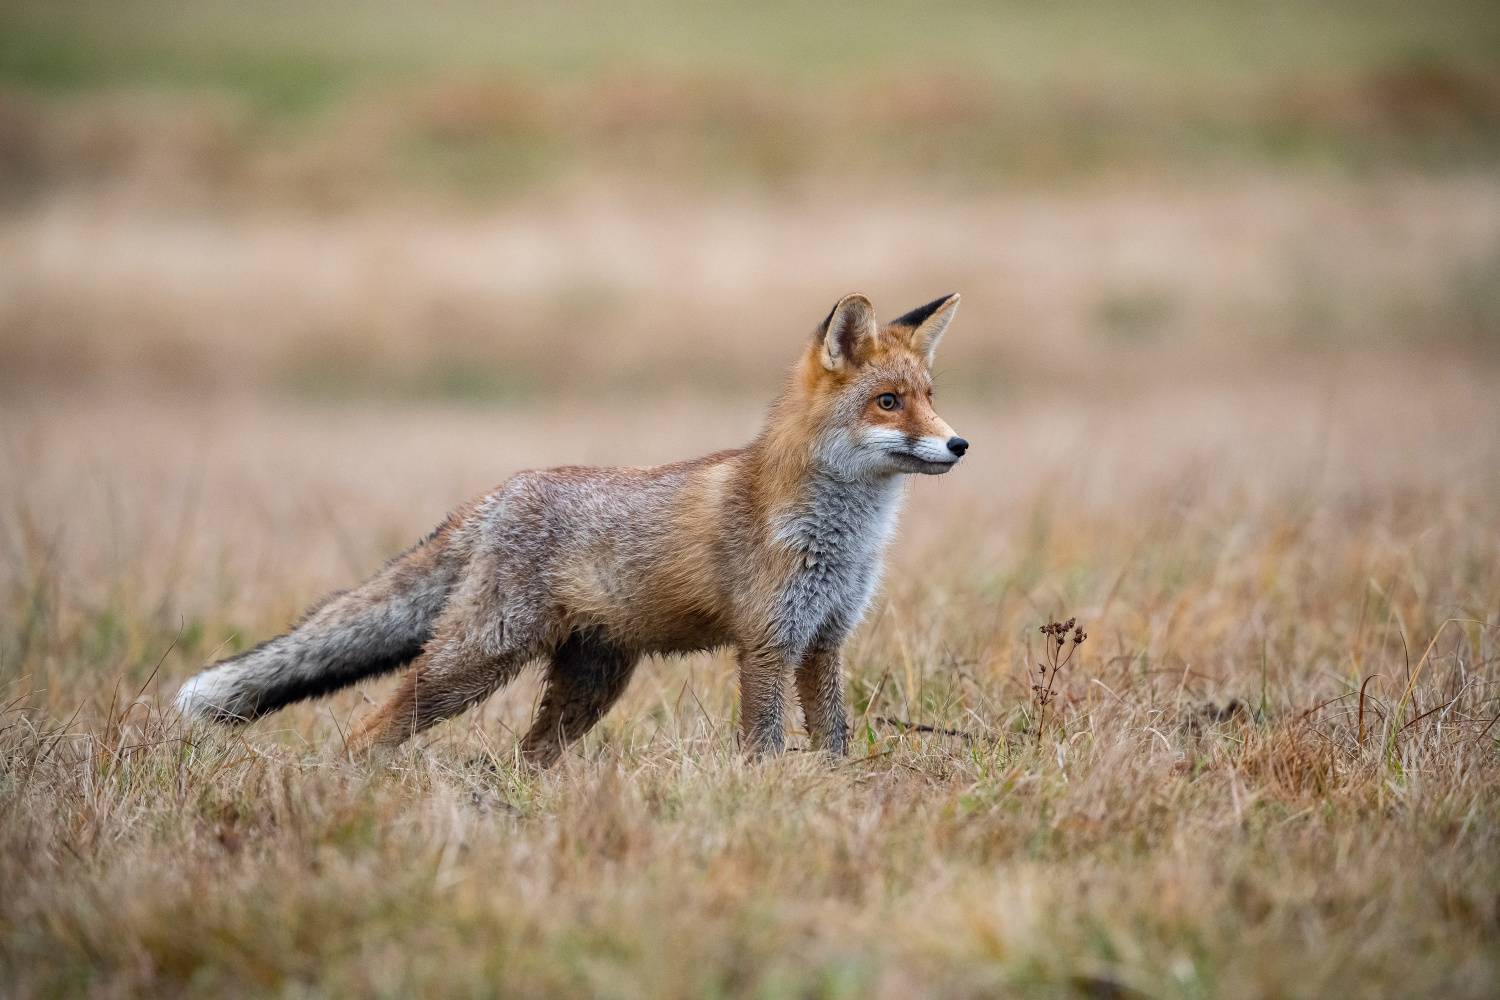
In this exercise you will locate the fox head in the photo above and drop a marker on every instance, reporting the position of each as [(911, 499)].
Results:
[(868, 392)]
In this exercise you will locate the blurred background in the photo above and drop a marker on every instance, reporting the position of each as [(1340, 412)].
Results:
[(281, 282), (500, 204)]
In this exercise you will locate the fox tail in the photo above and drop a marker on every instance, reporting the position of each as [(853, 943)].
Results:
[(351, 635)]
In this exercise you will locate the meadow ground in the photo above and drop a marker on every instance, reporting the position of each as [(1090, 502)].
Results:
[(1272, 769)]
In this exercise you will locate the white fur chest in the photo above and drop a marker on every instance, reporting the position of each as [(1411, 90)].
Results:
[(838, 535)]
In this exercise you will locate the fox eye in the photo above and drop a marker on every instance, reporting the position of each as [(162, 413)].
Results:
[(887, 400)]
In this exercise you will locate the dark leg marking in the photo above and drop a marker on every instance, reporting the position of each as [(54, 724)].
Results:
[(587, 675)]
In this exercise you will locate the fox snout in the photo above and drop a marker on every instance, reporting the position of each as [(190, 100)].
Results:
[(931, 455), (933, 444)]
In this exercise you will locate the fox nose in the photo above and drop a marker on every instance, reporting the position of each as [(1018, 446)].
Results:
[(958, 446)]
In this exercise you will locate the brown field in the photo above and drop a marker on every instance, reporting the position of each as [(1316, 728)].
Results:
[(1247, 432), (633, 290)]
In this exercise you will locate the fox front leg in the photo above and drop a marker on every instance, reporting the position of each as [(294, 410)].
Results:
[(762, 701), (820, 687)]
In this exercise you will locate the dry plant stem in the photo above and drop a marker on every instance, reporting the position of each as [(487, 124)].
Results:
[(1067, 635), (922, 727), (1360, 738)]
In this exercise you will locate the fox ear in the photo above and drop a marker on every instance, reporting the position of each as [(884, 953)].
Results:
[(849, 332), (925, 325)]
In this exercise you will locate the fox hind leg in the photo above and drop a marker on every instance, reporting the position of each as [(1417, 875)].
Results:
[(451, 675), (586, 675)]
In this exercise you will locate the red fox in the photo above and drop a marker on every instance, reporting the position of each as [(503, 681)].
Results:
[(773, 549)]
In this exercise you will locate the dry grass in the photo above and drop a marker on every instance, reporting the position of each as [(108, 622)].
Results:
[(487, 137), (1270, 545), (332, 102), (608, 290)]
